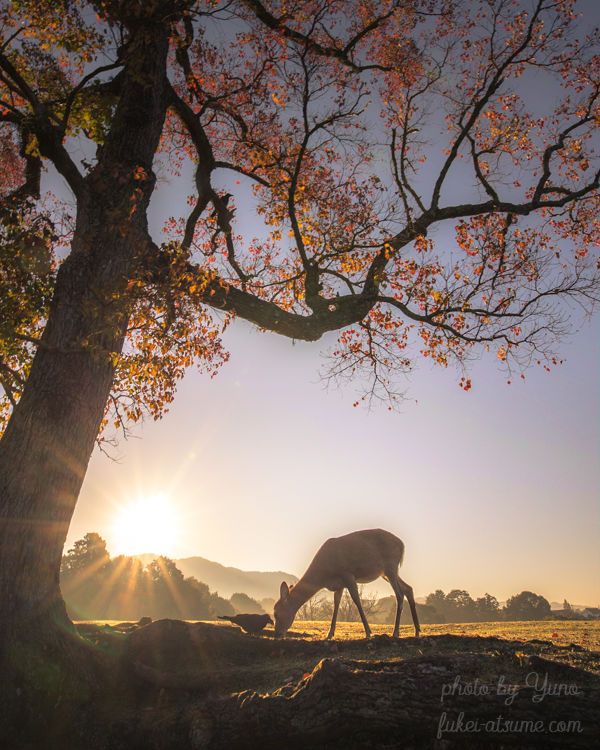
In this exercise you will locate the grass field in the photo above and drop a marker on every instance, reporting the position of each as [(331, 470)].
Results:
[(559, 632)]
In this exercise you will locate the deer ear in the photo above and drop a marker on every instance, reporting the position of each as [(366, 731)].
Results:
[(283, 590)]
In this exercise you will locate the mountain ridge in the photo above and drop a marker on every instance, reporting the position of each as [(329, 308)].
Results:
[(227, 580)]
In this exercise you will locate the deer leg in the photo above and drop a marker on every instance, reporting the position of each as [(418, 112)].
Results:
[(394, 582), (337, 598), (408, 592), (353, 590)]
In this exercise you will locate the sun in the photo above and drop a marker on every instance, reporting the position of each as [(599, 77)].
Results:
[(148, 525)]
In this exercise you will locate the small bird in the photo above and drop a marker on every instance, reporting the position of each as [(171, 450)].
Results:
[(249, 623), (224, 200)]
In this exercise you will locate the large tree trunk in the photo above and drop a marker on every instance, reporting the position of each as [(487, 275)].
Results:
[(45, 450)]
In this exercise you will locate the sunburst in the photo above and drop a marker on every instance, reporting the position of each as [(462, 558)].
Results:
[(147, 525)]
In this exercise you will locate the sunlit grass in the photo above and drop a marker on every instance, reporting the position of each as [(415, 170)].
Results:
[(561, 633)]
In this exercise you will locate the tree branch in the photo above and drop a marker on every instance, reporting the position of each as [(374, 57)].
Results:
[(279, 25)]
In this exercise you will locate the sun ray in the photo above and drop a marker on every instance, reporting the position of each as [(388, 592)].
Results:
[(172, 588)]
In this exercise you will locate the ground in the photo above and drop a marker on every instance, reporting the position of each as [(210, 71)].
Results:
[(208, 685)]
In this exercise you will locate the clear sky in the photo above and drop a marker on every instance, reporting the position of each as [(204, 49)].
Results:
[(495, 490)]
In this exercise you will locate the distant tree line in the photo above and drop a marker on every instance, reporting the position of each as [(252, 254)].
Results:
[(455, 607), (320, 608), (458, 606), (98, 587)]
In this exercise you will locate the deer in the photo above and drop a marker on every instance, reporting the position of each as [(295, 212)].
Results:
[(342, 563)]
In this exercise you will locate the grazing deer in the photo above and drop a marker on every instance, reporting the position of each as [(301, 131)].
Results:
[(342, 563)]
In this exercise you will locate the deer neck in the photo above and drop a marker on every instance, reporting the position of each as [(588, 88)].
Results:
[(302, 592)]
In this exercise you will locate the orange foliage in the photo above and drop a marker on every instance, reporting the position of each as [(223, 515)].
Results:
[(353, 123)]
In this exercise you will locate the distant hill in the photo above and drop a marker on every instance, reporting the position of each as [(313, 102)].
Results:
[(146, 558), (228, 581)]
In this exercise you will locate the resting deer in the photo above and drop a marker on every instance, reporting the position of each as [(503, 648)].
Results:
[(342, 563)]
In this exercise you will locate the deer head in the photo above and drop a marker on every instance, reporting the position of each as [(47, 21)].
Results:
[(284, 611)]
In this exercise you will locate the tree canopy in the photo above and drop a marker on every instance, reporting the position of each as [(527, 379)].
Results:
[(458, 606), (527, 606), (353, 130)]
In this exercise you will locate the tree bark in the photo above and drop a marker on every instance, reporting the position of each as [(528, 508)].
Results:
[(45, 450), (337, 704)]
